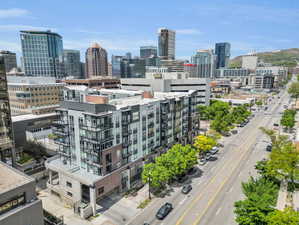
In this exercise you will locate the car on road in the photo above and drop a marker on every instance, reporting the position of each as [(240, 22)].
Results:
[(226, 134), (186, 189), (234, 131), (164, 211), (275, 124), (214, 150), (202, 161), (208, 155), (269, 148), (182, 178)]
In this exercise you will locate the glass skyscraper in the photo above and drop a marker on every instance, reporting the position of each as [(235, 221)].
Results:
[(205, 61), (166, 43), (6, 136), (72, 64), (116, 65), (42, 54), (148, 51), (222, 51)]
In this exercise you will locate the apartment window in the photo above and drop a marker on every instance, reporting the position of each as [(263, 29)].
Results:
[(69, 184), (69, 194), (101, 190)]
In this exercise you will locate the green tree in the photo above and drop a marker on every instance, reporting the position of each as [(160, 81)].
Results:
[(288, 118), (156, 175), (259, 103), (261, 195), (220, 125), (294, 90), (204, 143), (286, 217)]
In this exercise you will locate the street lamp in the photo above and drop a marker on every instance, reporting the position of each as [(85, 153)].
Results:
[(149, 186)]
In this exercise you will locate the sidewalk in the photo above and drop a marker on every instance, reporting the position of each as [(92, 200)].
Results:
[(282, 196), (113, 210)]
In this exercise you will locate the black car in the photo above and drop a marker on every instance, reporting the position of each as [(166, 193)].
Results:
[(226, 134), (269, 148), (234, 131), (182, 178), (164, 211), (186, 189)]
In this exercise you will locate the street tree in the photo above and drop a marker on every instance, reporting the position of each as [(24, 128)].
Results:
[(288, 119), (261, 195), (155, 175), (294, 90), (286, 217), (204, 143)]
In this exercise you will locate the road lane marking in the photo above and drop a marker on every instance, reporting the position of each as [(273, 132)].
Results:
[(221, 186), (179, 221), (182, 202), (231, 189), (218, 211)]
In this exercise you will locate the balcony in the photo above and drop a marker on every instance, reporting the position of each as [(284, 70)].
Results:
[(60, 122), (62, 141), (60, 130), (96, 127)]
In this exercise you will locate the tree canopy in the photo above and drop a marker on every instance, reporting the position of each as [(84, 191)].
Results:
[(288, 118), (294, 90), (204, 143), (286, 217)]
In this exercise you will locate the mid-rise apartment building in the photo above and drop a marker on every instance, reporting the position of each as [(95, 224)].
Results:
[(19, 204), (33, 95), (106, 136)]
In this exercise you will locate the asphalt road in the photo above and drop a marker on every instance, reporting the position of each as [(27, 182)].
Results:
[(217, 185)]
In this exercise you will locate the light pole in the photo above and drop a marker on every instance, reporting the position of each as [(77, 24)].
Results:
[(149, 187)]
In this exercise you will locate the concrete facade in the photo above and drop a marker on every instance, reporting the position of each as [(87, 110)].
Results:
[(18, 202)]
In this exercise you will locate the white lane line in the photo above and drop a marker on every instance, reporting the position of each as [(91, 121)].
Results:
[(218, 211), (181, 202), (231, 189)]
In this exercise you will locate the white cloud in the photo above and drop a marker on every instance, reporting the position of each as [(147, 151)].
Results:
[(188, 31), (16, 27), (11, 13)]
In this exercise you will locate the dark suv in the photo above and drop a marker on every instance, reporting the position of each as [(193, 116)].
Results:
[(164, 211)]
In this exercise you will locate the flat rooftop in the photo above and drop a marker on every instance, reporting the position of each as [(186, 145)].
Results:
[(11, 178), (30, 117)]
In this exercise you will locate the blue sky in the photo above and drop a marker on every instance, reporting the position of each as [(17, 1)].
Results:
[(121, 26)]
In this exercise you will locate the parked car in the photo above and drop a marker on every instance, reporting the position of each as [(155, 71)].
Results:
[(214, 150), (164, 211), (276, 125), (186, 189), (226, 134), (234, 131), (269, 148), (182, 178), (208, 156), (191, 171), (202, 161)]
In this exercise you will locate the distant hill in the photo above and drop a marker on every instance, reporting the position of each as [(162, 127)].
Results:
[(286, 57)]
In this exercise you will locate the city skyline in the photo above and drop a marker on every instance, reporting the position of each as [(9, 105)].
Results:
[(117, 37)]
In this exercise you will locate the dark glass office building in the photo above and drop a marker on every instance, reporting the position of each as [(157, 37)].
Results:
[(42, 53), (166, 41), (72, 64), (148, 51), (222, 51), (6, 136)]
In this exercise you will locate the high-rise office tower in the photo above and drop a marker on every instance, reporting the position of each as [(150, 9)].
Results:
[(42, 53), (96, 62), (222, 51), (116, 65), (129, 55), (72, 64), (10, 60), (166, 43), (148, 51), (6, 136), (205, 61), (132, 68)]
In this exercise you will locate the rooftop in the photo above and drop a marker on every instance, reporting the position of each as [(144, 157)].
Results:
[(11, 178), (31, 116)]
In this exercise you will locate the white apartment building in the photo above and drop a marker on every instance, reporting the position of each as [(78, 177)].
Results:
[(106, 136)]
